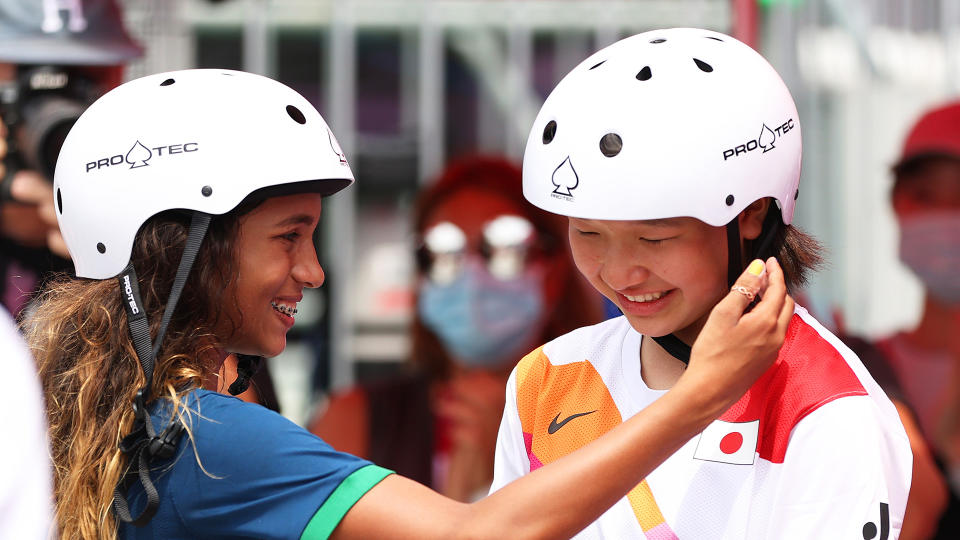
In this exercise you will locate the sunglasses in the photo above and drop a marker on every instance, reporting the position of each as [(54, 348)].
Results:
[(508, 245)]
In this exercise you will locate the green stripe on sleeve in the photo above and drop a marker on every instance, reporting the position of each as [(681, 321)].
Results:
[(342, 499)]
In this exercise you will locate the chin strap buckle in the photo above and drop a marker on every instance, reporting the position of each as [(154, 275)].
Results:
[(164, 445), (139, 405), (142, 447), (247, 366)]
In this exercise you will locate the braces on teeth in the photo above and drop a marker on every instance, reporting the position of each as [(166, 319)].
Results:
[(286, 310)]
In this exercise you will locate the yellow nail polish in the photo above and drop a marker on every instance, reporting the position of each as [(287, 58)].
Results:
[(756, 267)]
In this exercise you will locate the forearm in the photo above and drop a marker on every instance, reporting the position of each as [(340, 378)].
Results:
[(555, 501), (566, 495), (575, 490)]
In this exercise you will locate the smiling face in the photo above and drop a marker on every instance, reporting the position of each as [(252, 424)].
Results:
[(665, 275), (277, 260)]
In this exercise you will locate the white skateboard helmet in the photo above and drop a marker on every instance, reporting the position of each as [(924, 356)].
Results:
[(197, 140), (668, 123)]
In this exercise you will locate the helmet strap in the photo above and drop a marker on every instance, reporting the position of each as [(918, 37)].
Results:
[(199, 223), (772, 223), (247, 366), (675, 346), (734, 251), (143, 444)]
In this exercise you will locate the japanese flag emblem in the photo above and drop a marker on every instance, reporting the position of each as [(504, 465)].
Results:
[(729, 442)]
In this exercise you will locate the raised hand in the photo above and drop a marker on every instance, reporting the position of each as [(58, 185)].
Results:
[(736, 346)]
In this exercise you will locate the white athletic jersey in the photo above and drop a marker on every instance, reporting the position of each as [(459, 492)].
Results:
[(814, 450)]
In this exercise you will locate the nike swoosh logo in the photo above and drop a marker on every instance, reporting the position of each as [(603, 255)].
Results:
[(554, 425)]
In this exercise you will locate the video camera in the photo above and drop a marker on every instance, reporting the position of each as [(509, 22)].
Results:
[(39, 107)]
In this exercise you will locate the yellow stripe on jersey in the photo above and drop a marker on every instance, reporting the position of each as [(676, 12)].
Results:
[(645, 507)]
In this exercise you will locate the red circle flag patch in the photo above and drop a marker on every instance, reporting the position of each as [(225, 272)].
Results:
[(729, 442)]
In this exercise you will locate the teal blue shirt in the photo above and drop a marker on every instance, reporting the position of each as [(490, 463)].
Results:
[(249, 473)]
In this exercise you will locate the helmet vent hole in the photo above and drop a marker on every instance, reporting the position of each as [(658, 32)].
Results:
[(167, 82), (796, 194), (101, 248), (598, 64), (611, 144), (549, 132), (297, 116), (206, 191), (714, 38), (730, 200), (704, 67), (657, 41), (644, 74), (59, 201)]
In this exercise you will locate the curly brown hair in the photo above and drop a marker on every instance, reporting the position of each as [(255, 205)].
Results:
[(89, 370)]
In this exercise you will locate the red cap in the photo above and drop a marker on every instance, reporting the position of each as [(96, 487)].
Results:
[(937, 133)]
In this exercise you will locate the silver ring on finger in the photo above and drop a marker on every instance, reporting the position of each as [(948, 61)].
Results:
[(746, 291)]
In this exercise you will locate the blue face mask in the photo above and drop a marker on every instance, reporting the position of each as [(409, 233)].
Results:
[(483, 321)]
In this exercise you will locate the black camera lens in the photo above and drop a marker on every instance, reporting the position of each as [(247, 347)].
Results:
[(39, 108), (46, 122)]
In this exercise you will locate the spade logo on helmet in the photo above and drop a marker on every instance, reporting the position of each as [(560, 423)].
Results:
[(766, 139), (768, 136), (565, 180), (336, 147), (139, 154)]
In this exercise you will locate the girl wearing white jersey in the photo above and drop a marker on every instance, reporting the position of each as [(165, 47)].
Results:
[(205, 187), (676, 156)]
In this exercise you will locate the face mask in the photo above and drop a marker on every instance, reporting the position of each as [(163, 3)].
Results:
[(483, 321), (930, 246)]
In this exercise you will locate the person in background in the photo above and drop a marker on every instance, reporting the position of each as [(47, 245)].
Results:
[(929, 494), (926, 359), (494, 279), (53, 63)]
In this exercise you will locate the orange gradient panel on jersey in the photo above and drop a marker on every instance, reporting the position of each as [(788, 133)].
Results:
[(561, 409)]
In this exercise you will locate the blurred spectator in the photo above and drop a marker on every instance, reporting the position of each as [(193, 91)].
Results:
[(494, 281), (929, 495), (926, 359), (26, 490), (55, 59)]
